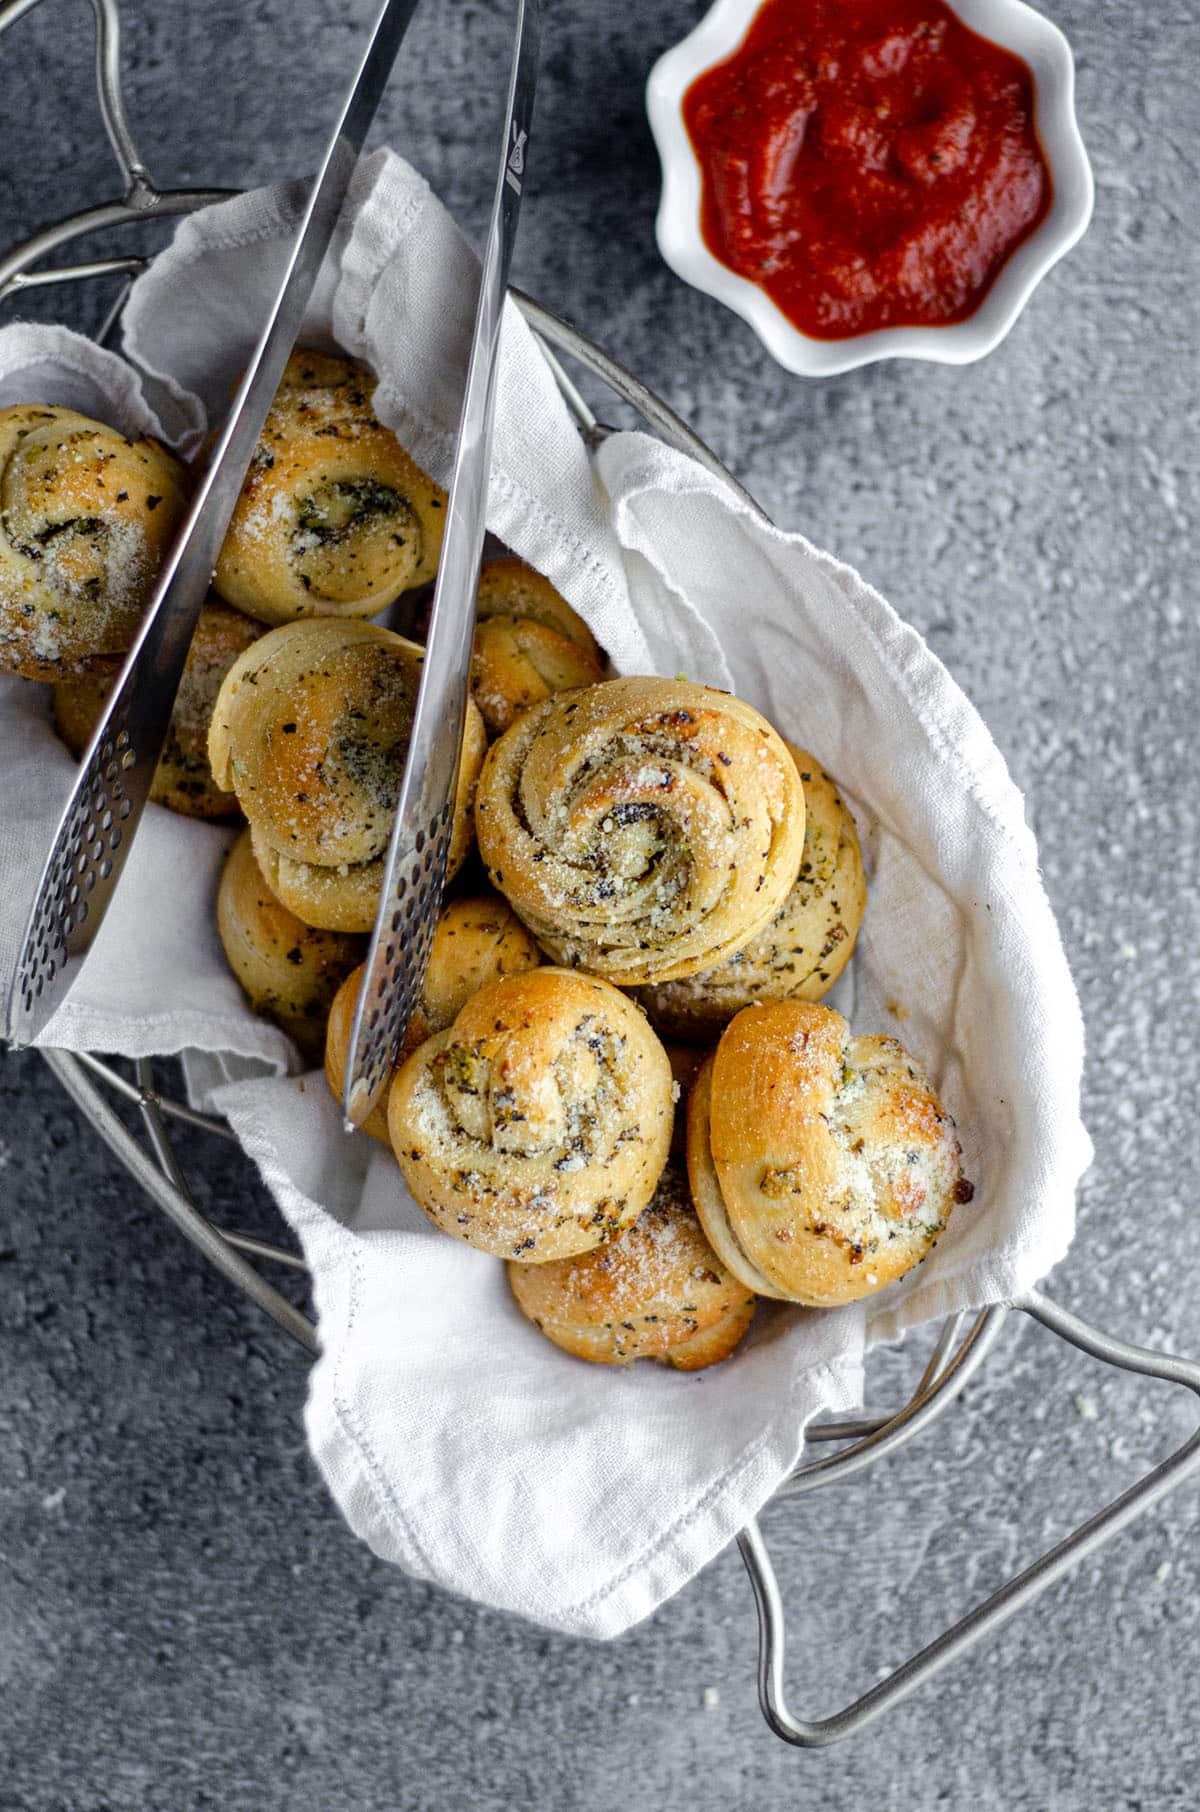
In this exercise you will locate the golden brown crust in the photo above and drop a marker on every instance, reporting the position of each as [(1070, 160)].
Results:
[(707, 1198), (822, 1166), (529, 643), (714, 1343), (289, 973), (85, 519), (335, 518), (183, 780), (77, 705), (476, 941), (643, 828), (538, 1124), (310, 730), (657, 1292), (509, 587), (805, 948), (337, 1043)]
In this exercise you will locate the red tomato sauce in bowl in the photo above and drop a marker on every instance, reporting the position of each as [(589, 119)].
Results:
[(867, 163)]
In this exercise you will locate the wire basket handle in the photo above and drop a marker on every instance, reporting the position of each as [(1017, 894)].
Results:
[(1010, 1597), (139, 200)]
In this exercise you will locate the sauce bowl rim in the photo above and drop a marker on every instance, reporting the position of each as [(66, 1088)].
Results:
[(1013, 25)]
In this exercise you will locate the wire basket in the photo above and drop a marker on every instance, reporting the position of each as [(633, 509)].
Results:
[(839, 1448)]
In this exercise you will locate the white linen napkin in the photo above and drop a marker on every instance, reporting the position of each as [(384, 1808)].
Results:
[(457, 1441)]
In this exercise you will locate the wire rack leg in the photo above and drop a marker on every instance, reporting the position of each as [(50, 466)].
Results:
[(1011, 1597)]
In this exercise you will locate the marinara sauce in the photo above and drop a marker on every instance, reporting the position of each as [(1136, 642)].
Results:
[(868, 163)]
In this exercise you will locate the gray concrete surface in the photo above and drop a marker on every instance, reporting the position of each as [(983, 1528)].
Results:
[(184, 1623)]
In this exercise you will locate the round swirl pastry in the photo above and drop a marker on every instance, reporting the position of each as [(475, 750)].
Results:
[(85, 519), (538, 1124), (337, 1045), (643, 828), (823, 1166), (529, 643), (183, 780), (659, 1292), (311, 731), (808, 943), (476, 941), (334, 518), (289, 973)]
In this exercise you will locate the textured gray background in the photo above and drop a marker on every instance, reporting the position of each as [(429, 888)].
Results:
[(184, 1623)]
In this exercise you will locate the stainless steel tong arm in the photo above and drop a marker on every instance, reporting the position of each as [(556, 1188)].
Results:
[(100, 821), (414, 874)]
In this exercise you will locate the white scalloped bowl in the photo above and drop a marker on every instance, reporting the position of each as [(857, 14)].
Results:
[(1010, 23)]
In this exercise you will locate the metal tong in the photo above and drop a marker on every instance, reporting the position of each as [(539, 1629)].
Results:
[(101, 817), (415, 871)]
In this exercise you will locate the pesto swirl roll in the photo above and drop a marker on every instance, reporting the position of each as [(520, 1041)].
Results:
[(86, 517), (288, 972), (183, 780), (475, 941), (658, 1292), (335, 518), (822, 1165), (808, 943), (644, 829), (538, 1124), (529, 643), (310, 731)]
